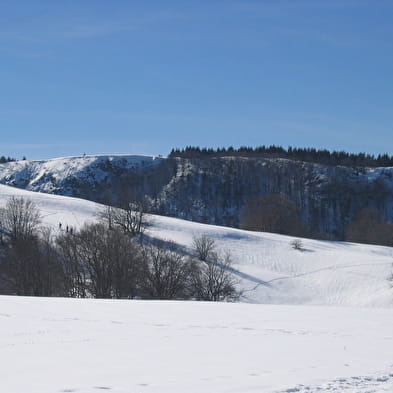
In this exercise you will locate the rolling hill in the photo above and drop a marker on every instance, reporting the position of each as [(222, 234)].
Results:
[(269, 270)]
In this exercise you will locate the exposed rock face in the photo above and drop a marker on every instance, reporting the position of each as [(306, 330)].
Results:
[(213, 190)]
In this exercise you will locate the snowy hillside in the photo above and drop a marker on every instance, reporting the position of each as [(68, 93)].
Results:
[(55, 209), (269, 270), (59, 173), (215, 190)]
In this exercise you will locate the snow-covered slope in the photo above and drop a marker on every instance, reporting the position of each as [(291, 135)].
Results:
[(55, 209), (271, 271), (91, 346), (268, 268), (213, 190), (58, 173)]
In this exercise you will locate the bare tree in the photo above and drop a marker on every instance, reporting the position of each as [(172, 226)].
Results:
[(131, 218), (166, 271), (297, 244), (94, 259), (30, 267), (110, 259), (75, 273), (49, 274), (100, 262), (20, 218), (212, 280), (105, 215), (126, 257), (203, 246)]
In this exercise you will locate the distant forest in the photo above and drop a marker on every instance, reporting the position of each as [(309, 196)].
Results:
[(323, 156), (4, 159)]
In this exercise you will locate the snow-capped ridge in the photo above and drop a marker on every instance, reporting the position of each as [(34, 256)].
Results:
[(213, 190), (59, 175)]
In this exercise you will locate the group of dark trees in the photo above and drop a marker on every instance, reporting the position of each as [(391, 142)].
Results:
[(277, 213), (107, 259), (319, 156), (4, 159), (369, 227)]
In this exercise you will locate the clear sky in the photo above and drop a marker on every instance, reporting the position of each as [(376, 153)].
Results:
[(138, 76)]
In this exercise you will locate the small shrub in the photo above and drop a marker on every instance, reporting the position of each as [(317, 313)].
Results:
[(297, 244)]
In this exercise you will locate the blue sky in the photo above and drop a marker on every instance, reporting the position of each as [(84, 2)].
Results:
[(145, 76)]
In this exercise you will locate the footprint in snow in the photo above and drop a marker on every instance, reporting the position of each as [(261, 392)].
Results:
[(362, 384)]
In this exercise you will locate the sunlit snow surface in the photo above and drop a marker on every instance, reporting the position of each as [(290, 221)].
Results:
[(72, 345)]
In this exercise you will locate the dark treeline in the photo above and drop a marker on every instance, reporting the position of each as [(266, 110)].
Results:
[(107, 259), (319, 156), (4, 159), (277, 213)]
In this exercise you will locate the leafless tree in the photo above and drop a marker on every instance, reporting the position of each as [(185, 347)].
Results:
[(125, 254), (203, 246), (212, 280), (166, 271), (30, 267), (131, 218), (51, 274), (100, 262), (75, 273), (297, 244), (20, 218), (29, 263), (110, 259)]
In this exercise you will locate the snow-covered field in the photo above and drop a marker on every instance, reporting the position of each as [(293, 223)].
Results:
[(74, 345), (268, 268), (302, 342)]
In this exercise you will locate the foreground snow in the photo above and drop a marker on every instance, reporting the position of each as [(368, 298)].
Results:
[(268, 269), (72, 345)]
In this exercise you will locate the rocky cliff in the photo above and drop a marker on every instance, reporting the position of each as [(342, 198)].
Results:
[(212, 190)]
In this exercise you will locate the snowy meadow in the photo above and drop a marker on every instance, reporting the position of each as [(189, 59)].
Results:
[(74, 345)]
